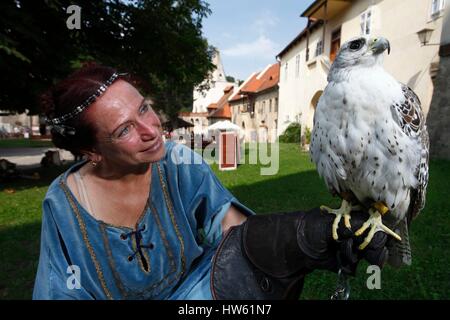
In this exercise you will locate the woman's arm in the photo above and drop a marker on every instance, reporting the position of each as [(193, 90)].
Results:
[(233, 217)]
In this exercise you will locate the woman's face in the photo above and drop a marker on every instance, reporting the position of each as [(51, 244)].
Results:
[(128, 130)]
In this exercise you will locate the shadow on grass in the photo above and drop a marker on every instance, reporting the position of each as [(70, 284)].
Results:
[(19, 254), (46, 176), (288, 193), (427, 278)]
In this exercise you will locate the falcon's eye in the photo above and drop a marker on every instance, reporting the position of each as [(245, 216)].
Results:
[(356, 45)]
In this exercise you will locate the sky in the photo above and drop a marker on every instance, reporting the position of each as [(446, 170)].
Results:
[(250, 33)]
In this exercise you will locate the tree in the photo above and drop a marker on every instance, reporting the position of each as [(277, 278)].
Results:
[(230, 79), (291, 134), (160, 42)]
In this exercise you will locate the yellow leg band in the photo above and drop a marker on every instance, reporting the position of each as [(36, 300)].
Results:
[(381, 208)]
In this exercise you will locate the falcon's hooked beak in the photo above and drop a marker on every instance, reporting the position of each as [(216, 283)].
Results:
[(379, 45)]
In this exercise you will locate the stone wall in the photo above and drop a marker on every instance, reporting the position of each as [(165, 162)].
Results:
[(438, 119)]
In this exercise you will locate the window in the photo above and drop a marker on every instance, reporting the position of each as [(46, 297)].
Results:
[(276, 104), (437, 6), (335, 43), (263, 107), (297, 65), (270, 105), (365, 23), (319, 48)]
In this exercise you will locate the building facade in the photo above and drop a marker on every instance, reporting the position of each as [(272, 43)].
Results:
[(254, 106), (438, 119), (220, 110), (202, 99), (305, 61), (16, 124)]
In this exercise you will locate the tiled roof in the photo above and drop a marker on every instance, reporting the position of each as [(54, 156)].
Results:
[(222, 109), (224, 112), (270, 78), (192, 114), (252, 85), (212, 106), (228, 88), (259, 82), (244, 85)]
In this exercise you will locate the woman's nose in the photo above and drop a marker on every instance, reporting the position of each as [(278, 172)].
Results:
[(148, 130)]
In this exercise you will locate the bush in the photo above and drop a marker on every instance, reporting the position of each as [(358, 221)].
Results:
[(307, 135), (291, 134)]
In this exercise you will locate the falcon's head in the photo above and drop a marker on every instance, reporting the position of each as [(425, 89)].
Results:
[(361, 51)]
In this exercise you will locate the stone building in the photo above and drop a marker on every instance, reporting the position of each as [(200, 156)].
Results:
[(254, 106), (438, 118), (306, 60)]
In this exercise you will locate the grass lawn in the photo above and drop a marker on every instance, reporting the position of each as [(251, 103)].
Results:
[(24, 143), (296, 186)]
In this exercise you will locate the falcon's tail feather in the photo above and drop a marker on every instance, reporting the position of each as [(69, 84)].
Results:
[(400, 251)]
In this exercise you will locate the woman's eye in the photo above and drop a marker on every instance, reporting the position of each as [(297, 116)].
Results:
[(123, 132), (145, 108)]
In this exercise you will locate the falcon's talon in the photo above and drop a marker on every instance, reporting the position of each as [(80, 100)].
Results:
[(375, 223), (343, 211)]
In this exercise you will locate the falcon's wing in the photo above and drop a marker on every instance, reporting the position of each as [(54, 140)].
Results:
[(409, 116)]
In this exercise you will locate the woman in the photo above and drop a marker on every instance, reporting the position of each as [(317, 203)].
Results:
[(139, 219)]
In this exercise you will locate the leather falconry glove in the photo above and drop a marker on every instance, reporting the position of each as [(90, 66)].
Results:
[(268, 256)]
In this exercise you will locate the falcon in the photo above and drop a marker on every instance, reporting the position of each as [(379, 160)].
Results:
[(370, 144)]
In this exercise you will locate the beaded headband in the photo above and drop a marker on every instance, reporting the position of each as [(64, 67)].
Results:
[(57, 123)]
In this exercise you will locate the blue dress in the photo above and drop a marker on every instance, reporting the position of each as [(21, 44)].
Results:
[(167, 256)]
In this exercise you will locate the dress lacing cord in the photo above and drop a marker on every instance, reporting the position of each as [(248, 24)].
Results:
[(138, 237)]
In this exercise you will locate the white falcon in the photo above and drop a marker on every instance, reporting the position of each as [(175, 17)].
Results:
[(370, 144)]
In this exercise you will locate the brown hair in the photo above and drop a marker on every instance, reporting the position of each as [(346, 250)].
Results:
[(65, 96)]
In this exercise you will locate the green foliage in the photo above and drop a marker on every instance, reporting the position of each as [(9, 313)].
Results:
[(160, 42), (307, 135), (291, 134), (24, 143), (230, 79)]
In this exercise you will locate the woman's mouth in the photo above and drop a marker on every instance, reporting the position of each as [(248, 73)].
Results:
[(155, 146)]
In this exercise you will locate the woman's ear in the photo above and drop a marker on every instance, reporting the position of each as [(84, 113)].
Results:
[(92, 155)]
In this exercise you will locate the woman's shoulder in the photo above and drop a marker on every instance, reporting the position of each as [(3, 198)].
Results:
[(54, 189), (59, 185), (182, 158)]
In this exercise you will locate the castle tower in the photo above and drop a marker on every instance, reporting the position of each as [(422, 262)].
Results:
[(217, 84)]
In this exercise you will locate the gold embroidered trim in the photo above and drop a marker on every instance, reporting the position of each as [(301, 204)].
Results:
[(164, 238), (86, 239), (119, 283), (172, 218), (142, 294)]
